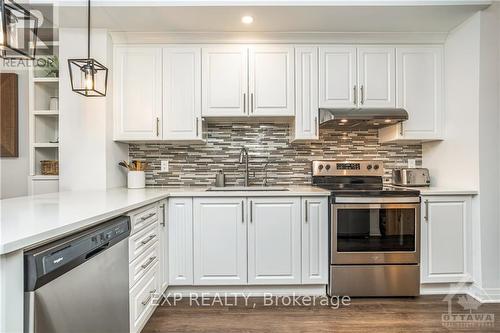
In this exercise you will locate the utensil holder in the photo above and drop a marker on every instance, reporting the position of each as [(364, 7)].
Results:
[(136, 179)]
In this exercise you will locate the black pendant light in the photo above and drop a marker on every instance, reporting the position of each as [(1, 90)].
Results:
[(88, 77), (19, 31)]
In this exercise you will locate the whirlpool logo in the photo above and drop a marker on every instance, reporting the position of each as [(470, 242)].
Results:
[(58, 260)]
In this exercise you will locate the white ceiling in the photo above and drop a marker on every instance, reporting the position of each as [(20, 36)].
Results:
[(343, 16)]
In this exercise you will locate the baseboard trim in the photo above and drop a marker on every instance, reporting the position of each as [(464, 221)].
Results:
[(248, 291), (483, 295)]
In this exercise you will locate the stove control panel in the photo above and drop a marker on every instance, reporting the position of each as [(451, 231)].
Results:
[(347, 168)]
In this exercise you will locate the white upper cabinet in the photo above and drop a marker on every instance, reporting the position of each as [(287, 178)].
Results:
[(220, 241), (446, 239), (315, 240), (337, 77), (137, 93), (225, 81), (376, 77), (271, 78), (306, 93), (182, 93), (274, 253), (419, 72)]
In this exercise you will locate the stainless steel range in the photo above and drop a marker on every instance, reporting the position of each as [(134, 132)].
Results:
[(374, 231)]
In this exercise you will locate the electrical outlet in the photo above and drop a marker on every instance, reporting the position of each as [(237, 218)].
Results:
[(164, 166), (412, 163)]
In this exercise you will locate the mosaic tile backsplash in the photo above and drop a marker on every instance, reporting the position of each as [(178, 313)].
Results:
[(288, 163)]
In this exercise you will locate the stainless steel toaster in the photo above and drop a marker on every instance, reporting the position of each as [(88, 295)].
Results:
[(411, 177)]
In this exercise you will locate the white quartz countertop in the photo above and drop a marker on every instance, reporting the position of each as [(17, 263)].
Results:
[(435, 190), (32, 220)]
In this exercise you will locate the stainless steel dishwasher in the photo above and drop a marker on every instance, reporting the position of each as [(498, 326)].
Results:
[(80, 283)]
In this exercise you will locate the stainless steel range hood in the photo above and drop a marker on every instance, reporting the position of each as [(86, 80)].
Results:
[(354, 119)]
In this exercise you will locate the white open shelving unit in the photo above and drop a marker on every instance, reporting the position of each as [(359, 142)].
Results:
[(43, 131)]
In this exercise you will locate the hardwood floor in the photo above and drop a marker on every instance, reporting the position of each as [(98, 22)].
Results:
[(422, 314)]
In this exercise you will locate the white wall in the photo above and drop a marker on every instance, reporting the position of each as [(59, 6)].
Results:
[(86, 150), (454, 161), (14, 171), (489, 139), (469, 156)]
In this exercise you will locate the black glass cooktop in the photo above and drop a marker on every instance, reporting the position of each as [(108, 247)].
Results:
[(361, 186)]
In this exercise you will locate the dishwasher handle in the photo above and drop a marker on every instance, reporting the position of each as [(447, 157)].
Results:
[(46, 263)]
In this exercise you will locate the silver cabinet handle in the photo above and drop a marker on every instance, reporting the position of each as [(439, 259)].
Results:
[(197, 123), (426, 216), (157, 126), (316, 126), (150, 238), (146, 265), (144, 218), (242, 212), (244, 103), (362, 94), (251, 211), (146, 301), (306, 212), (401, 130), (251, 102), (162, 222), (355, 97)]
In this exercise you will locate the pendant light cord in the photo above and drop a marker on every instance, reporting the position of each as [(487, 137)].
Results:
[(88, 30)]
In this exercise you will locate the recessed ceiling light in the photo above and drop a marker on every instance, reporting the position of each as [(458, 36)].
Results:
[(247, 19), (387, 120), (343, 120)]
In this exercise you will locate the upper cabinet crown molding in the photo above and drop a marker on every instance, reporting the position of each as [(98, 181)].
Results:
[(242, 37)]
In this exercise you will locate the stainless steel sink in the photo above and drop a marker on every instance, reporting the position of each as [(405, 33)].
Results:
[(247, 188)]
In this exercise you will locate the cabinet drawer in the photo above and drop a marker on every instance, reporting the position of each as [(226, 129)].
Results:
[(143, 263), (143, 218), (142, 240), (141, 299)]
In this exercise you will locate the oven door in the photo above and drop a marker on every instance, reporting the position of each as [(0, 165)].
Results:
[(375, 233)]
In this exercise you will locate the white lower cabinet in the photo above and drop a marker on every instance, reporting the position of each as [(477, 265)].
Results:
[(141, 299), (248, 241), (180, 241), (446, 239), (314, 240), (163, 247), (220, 244), (274, 252), (145, 264)]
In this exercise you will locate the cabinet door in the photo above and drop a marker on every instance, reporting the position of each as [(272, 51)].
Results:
[(315, 240), (137, 93), (182, 93), (274, 241), (271, 81), (446, 239), (220, 241), (306, 93), (419, 90), (337, 77), (225, 81), (377, 78), (180, 241), (162, 219)]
